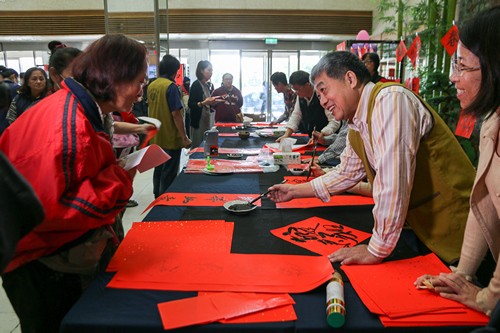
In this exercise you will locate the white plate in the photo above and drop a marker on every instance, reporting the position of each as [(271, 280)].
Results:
[(238, 202), (264, 134)]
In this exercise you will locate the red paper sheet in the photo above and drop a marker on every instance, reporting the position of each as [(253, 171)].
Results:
[(276, 314), (172, 237), (336, 200), (217, 306), (149, 135), (320, 235), (295, 180), (199, 199), (390, 286), (158, 269), (223, 166), (228, 134), (466, 318)]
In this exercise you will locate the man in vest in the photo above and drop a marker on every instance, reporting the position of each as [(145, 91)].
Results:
[(308, 115), (418, 170), (164, 103)]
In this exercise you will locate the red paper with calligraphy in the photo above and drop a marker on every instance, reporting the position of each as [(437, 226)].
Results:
[(320, 236), (465, 125), (414, 50), (450, 40), (199, 199), (400, 51)]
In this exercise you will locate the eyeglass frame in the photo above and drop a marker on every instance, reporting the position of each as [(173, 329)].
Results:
[(456, 69)]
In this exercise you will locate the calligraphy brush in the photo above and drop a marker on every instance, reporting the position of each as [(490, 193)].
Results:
[(249, 205), (313, 155), (264, 194)]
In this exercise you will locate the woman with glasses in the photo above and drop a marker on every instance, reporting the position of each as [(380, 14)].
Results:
[(372, 61), (476, 75)]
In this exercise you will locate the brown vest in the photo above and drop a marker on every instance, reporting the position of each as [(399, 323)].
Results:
[(439, 200)]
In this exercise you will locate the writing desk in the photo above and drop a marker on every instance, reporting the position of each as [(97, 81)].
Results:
[(102, 309)]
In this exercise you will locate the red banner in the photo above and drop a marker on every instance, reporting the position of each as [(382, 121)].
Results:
[(341, 47), (414, 50), (400, 51), (450, 40)]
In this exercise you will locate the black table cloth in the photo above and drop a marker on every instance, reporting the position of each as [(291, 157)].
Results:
[(103, 309)]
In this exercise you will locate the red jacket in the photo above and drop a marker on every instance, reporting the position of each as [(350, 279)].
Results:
[(60, 147)]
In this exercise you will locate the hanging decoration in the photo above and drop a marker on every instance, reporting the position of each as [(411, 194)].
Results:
[(414, 50), (450, 40), (401, 51)]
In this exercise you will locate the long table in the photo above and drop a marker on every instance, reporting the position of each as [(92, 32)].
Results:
[(103, 309)]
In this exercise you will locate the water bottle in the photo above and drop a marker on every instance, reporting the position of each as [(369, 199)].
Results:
[(335, 306), (211, 147)]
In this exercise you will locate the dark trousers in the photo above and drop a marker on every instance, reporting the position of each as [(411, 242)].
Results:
[(165, 173), (40, 296)]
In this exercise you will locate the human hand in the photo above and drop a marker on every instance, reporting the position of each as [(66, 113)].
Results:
[(186, 142), (273, 123), (429, 282), (319, 137), (457, 288), (147, 127), (354, 255), (281, 138), (316, 170), (212, 100), (281, 192)]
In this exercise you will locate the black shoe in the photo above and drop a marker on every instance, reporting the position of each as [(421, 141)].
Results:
[(132, 203)]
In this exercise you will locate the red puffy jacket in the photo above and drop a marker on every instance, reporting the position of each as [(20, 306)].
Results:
[(60, 147)]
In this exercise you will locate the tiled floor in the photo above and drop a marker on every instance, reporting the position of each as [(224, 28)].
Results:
[(143, 194)]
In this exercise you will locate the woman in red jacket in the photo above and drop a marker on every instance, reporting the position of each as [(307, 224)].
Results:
[(63, 150)]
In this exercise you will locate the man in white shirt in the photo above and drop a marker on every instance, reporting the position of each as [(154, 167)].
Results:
[(308, 115)]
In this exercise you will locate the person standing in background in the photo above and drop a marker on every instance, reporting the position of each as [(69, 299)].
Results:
[(11, 77), (280, 83), (308, 115), (200, 102), (165, 104), (372, 61), (229, 110), (186, 86), (31, 92)]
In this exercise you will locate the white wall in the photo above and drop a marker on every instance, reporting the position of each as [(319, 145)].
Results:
[(146, 5)]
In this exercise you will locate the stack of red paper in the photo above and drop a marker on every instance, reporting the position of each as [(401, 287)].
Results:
[(195, 256), (387, 289)]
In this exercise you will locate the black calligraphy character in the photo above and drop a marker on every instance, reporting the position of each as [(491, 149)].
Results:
[(216, 198), (188, 199), (453, 41)]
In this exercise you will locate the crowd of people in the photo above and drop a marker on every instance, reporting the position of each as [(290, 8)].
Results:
[(383, 141)]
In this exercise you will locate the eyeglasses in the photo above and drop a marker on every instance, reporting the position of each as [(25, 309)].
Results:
[(458, 69)]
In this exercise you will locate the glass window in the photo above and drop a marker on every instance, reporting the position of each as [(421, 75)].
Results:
[(225, 61), (254, 81), (310, 58)]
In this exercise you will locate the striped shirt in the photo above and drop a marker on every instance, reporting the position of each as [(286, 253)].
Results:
[(399, 122)]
